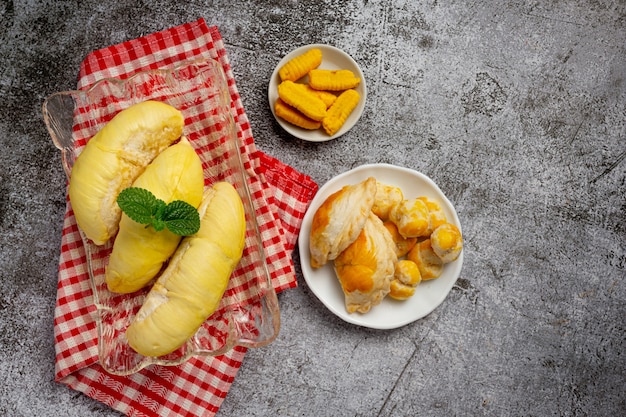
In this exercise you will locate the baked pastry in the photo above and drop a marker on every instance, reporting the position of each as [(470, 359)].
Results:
[(339, 220), (387, 196), (436, 214), (447, 242), (411, 217), (429, 264), (406, 277), (402, 245), (366, 266)]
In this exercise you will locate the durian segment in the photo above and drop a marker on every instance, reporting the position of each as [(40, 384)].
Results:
[(114, 158), (191, 287), (139, 252)]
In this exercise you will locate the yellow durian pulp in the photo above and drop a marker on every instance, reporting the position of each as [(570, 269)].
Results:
[(112, 160), (191, 287), (139, 251)]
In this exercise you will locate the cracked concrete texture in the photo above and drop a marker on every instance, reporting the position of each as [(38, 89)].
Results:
[(517, 110)]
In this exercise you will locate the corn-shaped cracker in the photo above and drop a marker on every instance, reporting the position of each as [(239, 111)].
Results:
[(293, 116), (303, 101), (326, 96), (340, 110), (333, 80), (300, 65)]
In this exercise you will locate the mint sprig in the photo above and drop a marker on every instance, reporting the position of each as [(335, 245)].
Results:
[(179, 217)]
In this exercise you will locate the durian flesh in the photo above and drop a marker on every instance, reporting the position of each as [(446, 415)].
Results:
[(112, 160), (139, 251), (190, 289)]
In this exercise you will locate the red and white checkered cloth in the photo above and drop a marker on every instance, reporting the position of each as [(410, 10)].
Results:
[(281, 195)]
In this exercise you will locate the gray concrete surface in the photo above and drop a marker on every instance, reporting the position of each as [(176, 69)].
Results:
[(516, 109)]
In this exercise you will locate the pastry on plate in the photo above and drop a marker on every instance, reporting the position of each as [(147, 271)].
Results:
[(411, 217), (406, 277), (387, 196), (339, 220), (435, 213), (365, 268), (429, 264), (403, 245), (447, 242)]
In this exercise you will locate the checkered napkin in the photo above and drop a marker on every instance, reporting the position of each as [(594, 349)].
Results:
[(281, 195)]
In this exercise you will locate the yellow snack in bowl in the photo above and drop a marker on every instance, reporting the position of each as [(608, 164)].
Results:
[(299, 66), (326, 96), (340, 110), (298, 98), (293, 116), (333, 80)]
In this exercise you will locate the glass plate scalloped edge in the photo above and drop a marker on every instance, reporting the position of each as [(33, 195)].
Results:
[(248, 314)]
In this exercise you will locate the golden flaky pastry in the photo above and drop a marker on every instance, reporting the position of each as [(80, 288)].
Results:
[(435, 213), (339, 220), (426, 259), (365, 268), (403, 245), (447, 242), (387, 196), (411, 217), (406, 277)]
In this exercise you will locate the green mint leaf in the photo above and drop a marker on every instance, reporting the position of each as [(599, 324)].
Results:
[(139, 204), (181, 218), (157, 221), (143, 207)]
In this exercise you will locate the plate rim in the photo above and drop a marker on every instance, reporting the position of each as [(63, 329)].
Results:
[(303, 247), (304, 134)]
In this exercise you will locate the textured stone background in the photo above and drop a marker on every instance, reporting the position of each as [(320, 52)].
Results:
[(516, 109)]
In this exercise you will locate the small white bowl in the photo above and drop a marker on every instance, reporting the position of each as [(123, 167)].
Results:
[(333, 59)]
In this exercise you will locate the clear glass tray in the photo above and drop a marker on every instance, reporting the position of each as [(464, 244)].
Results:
[(248, 314)]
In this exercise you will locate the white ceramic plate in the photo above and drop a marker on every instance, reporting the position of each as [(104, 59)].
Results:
[(390, 314), (333, 59)]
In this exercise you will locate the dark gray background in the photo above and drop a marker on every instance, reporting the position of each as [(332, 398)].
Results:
[(516, 109)]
